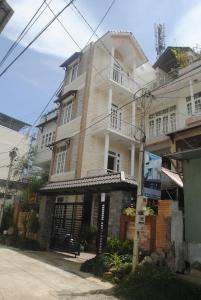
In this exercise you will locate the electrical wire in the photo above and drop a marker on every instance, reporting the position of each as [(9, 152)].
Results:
[(23, 33), (36, 37)]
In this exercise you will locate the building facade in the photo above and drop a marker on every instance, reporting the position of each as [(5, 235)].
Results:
[(96, 131), (5, 14), (45, 137), (13, 136)]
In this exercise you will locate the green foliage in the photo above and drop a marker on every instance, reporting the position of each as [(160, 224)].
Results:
[(181, 57), (156, 283), (112, 267), (97, 265), (129, 211), (7, 220), (119, 247)]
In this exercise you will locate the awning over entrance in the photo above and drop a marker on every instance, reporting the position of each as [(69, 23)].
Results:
[(173, 176), (186, 154), (96, 184)]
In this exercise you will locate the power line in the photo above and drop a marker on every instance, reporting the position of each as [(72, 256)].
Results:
[(100, 39), (101, 21), (23, 33), (36, 37)]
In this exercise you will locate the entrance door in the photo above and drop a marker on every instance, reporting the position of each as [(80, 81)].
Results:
[(67, 222)]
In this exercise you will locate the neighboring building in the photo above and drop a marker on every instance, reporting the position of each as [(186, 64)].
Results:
[(173, 125), (12, 132), (191, 165), (98, 81), (176, 105), (45, 137), (5, 13)]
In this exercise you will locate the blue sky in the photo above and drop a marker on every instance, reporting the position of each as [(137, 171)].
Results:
[(28, 85)]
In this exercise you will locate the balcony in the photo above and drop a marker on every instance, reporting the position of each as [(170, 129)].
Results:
[(119, 79), (75, 84), (118, 129)]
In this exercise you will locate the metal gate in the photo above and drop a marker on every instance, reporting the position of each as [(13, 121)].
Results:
[(66, 227)]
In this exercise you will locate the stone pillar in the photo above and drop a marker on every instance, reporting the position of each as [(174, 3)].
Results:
[(132, 160), (177, 236), (116, 199), (45, 219)]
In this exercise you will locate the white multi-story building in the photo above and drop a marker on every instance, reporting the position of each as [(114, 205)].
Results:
[(96, 132), (44, 140), (13, 135)]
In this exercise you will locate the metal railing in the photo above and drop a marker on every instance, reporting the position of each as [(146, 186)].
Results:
[(121, 78)]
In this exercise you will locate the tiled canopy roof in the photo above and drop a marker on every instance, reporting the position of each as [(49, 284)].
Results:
[(95, 184)]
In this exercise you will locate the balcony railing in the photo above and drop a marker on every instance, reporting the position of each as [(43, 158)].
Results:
[(121, 78), (117, 76), (122, 127), (117, 125)]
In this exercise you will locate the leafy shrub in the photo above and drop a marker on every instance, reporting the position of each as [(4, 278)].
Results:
[(129, 211), (112, 267), (97, 265), (120, 247), (156, 283)]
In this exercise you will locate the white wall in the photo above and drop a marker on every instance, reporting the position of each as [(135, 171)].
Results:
[(44, 155), (8, 140)]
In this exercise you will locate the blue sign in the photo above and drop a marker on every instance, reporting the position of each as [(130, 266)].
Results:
[(152, 175)]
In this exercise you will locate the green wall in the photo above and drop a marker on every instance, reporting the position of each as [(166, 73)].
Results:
[(192, 199)]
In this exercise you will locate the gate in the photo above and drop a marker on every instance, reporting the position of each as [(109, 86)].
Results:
[(66, 227)]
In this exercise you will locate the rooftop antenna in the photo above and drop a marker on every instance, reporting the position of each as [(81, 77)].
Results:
[(159, 38)]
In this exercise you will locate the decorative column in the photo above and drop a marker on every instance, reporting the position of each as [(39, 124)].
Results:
[(109, 100), (133, 159), (107, 140)]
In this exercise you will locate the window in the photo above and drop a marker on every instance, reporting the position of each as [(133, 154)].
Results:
[(113, 162), (162, 121), (60, 160), (115, 117), (165, 124), (189, 109), (50, 138), (193, 104), (46, 139), (151, 128), (158, 126), (53, 136), (173, 121), (67, 116), (43, 140), (198, 105), (72, 72)]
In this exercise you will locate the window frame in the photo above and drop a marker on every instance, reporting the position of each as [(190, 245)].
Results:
[(67, 112), (60, 160)]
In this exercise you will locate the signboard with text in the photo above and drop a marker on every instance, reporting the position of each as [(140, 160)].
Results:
[(152, 175)]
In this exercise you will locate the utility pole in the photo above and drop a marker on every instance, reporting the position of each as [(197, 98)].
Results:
[(12, 155), (144, 99)]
